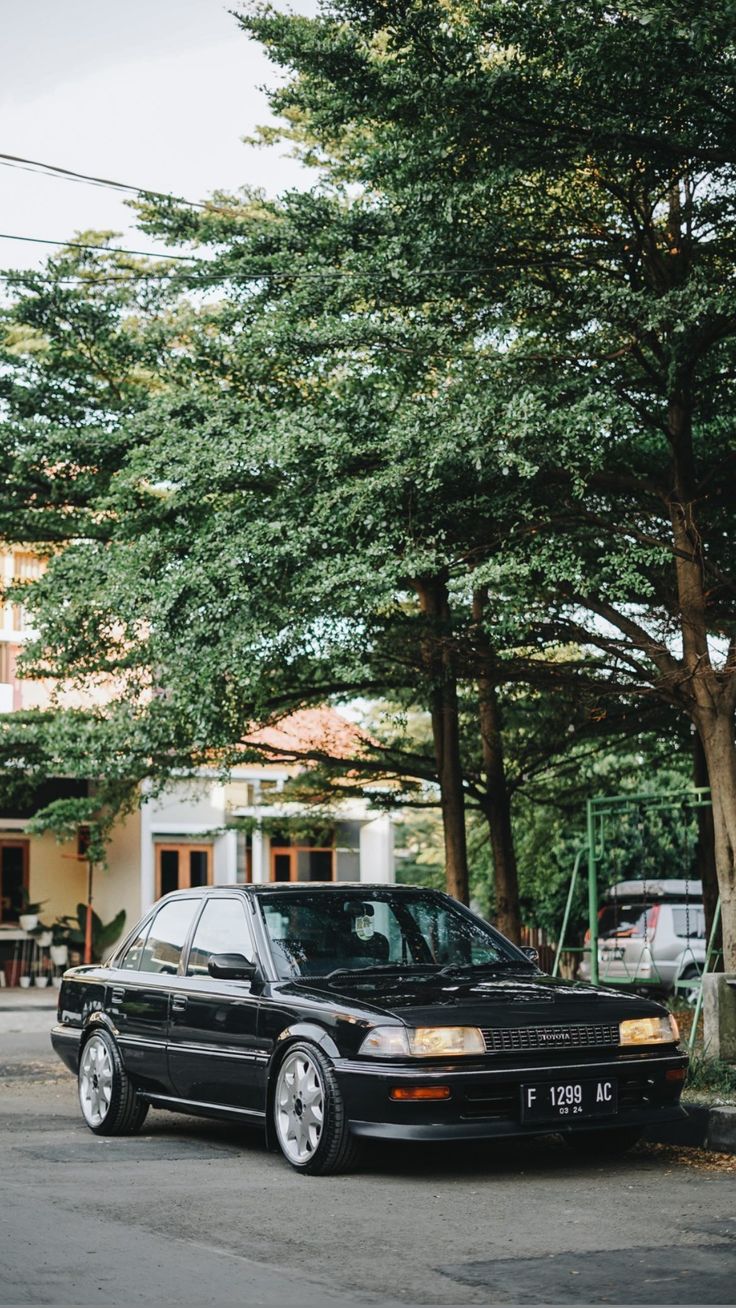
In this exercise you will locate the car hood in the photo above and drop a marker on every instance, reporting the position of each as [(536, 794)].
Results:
[(501, 1001)]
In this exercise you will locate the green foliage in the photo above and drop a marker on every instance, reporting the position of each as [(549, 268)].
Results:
[(549, 829), (32, 908), (639, 846)]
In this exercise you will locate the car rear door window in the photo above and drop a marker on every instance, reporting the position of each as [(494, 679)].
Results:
[(222, 929), (169, 930), (689, 922)]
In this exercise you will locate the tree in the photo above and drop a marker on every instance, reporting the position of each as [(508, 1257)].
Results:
[(572, 174)]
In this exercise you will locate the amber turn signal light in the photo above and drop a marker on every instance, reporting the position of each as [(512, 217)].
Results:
[(419, 1092), (675, 1074)]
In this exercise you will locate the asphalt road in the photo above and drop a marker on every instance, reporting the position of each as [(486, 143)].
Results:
[(195, 1212)]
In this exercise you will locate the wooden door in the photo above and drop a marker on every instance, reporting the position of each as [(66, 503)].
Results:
[(179, 867), (13, 878)]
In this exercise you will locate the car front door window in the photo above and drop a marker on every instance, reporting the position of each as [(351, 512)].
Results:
[(167, 936), (222, 929)]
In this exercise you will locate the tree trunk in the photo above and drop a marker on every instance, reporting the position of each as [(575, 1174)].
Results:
[(708, 694), (438, 662), (717, 734), (497, 806), (705, 854)]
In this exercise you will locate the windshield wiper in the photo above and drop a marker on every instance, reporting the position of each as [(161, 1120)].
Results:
[(501, 965), (434, 971), (380, 969)]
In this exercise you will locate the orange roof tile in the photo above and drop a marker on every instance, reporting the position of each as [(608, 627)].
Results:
[(313, 729)]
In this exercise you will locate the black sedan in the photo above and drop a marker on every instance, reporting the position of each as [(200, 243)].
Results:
[(334, 1013)]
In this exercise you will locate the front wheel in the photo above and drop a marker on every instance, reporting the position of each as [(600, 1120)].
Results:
[(308, 1114), (614, 1140), (107, 1096)]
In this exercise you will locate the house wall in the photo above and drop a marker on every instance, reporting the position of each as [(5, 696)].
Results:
[(119, 885), (55, 874), (199, 803)]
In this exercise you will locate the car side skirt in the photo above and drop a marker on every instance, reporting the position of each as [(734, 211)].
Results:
[(199, 1108)]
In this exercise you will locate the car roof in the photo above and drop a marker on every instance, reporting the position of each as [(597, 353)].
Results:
[(662, 888), (326, 887), (294, 887)]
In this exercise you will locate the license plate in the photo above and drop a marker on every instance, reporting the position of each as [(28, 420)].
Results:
[(568, 1101), (612, 955)]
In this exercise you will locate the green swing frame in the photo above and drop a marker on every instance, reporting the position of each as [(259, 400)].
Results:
[(602, 810)]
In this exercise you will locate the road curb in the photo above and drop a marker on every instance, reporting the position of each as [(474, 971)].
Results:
[(704, 1127), (722, 1130)]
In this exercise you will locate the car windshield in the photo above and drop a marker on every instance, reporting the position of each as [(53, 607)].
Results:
[(319, 933)]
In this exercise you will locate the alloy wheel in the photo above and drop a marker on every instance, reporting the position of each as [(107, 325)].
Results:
[(300, 1107), (95, 1081)]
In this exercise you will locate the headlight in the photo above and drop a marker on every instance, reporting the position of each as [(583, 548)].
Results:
[(423, 1041), (649, 1031), (386, 1041)]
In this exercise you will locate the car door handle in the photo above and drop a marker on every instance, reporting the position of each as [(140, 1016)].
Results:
[(118, 994), (178, 1003)]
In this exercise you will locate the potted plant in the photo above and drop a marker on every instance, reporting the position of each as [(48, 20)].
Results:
[(28, 919), (42, 934), (104, 934), (61, 933)]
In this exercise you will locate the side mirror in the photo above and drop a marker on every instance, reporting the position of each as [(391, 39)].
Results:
[(231, 967), (531, 953)]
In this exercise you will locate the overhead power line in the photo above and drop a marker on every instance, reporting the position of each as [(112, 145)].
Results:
[(195, 263), (70, 175), (107, 249)]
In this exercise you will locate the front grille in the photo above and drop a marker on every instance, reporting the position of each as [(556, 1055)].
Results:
[(518, 1039), (494, 1100)]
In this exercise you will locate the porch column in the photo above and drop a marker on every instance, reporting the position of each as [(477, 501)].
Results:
[(148, 866)]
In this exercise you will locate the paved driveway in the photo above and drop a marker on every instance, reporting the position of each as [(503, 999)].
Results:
[(196, 1212)]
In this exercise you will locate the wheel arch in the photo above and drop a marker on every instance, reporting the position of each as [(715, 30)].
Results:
[(292, 1035), (97, 1021)]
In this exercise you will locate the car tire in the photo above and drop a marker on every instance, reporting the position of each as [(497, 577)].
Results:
[(308, 1117), (614, 1140), (107, 1096)]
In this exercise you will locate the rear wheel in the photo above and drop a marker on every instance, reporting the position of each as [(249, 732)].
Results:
[(614, 1140), (308, 1114), (107, 1096)]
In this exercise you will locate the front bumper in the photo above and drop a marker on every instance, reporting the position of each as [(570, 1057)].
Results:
[(485, 1101)]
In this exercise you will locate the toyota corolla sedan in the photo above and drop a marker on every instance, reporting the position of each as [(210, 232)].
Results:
[(334, 1014)]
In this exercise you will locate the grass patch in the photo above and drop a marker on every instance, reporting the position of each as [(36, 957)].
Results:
[(711, 1074)]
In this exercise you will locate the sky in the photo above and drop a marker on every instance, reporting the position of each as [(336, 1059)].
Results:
[(157, 93)]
